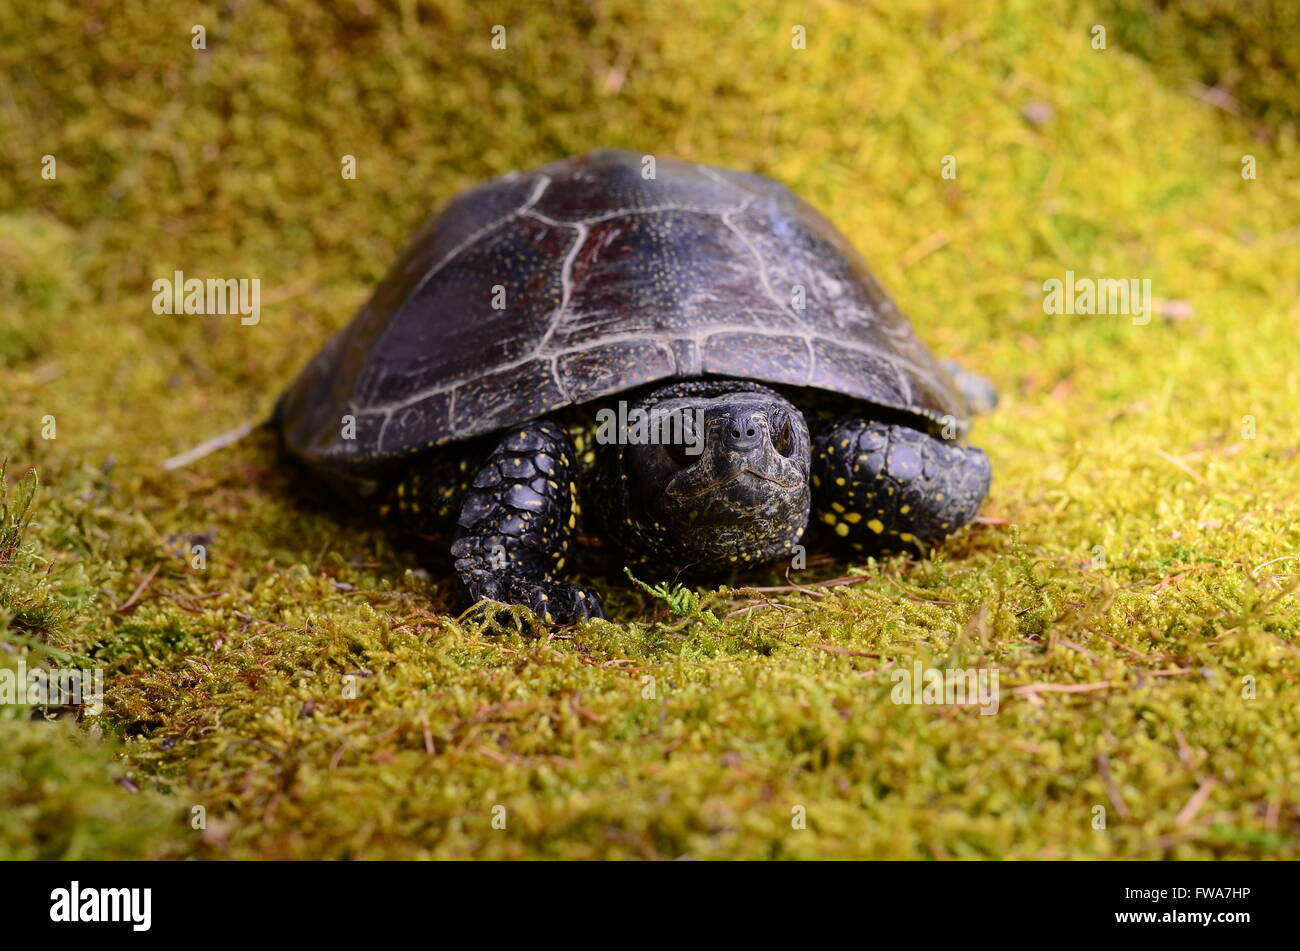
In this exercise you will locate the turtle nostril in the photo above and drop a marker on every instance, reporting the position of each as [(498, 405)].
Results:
[(743, 432)]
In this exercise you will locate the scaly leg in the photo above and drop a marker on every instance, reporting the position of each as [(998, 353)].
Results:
[(883, 487), (516, 523)]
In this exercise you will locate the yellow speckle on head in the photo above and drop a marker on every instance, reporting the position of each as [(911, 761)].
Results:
[(841, 529), (841, 481), (559, 564), (816, 480), (907, 536), (876, 525), (905, 509), (828, 518), (853, 517), (837, 507)]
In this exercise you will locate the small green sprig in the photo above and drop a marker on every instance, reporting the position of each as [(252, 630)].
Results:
[(14, 521), (682, 601)]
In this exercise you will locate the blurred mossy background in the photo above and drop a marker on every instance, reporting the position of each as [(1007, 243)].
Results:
[(304, 694)]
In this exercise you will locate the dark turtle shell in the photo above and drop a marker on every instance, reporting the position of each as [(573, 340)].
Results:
[(593, 275)]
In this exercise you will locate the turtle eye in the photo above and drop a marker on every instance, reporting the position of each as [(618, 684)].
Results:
[(785, 440), (678, 454), (678, 436)]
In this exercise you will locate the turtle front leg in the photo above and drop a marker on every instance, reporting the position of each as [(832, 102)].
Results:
[(515, 525), (882, 487)]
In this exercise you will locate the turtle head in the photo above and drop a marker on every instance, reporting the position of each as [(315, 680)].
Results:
[(723, 480)]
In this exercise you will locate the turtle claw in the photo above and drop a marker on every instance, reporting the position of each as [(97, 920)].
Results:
[(569, 604), (554, 604)]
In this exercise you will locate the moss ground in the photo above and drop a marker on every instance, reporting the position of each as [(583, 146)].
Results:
[(1133, 578)]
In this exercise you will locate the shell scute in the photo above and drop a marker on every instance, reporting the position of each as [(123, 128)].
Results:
[(584, 278)]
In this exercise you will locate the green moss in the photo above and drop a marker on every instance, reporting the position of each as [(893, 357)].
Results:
[(66, 796), (34, 257), (306, 686), (1246, 50)]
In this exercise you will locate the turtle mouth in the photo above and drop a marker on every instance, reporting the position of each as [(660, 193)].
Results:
[(696, 490), (777, 478)]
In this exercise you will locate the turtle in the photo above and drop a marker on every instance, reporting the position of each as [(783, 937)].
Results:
[(684, 363)]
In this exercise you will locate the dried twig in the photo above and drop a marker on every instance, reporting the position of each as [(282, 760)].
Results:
[(1178, 463), (1077, 648), (428, 734), (808, 588), (575, 704), (139, 590), (1184, 750), (207, 447), (1107, 637), (914, 595), (1273, 561), (760, 604), (1116, 800), (845, 651), (1189, 811), (1061, 688)]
